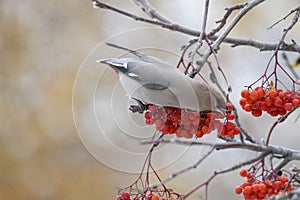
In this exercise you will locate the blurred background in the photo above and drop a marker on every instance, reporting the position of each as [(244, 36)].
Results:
[(46, 48)]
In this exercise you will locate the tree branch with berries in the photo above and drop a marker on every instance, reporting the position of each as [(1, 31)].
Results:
[(265, 176)]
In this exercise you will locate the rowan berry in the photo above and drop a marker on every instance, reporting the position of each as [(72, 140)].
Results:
[(248, 190), (277, 185), (272, 94), (155, 197), (253, 95), (229, 106), (230, 116), (256, 113), (288, 106), (238, 189), (274, 102), (284, 179), (245, 93), (296, 102), (243, 172)]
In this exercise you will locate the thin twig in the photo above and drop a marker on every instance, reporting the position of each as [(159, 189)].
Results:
[(222, 22), (216, 173), (278, 121), (194, 166), (202, 34), (173, 26), (263, 46), (216, 44), (282, 19), (151, 11), (287, 63)]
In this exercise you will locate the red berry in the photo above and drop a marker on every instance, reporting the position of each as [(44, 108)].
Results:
[(244, 184), (248, 190), (149, 121), (277, 185), (262, 187), (229, 106), (245, 93), (288, 106), (268, 101), (256, 113), (155, 197), (238, 189), (272, 94), (247, 107), (296, 102), (284, 179), (253, 95), (243, 173), (277, 101), (230, 116)]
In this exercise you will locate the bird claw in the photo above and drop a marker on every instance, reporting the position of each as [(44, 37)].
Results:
[(140, 108), (136, 108)]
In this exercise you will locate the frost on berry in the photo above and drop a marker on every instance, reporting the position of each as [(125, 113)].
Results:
[(274, 102), (187, 123)]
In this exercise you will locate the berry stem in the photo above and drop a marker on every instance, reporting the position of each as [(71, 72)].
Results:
[(278, 121)]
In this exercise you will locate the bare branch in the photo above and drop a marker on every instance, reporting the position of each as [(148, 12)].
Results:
[(171, 26), (195, 165), (216, 173), (278, 121), (216, 44), (152, 12), (284, 18), (287, 63), (202, 33), (223, 21), (275, 150), (263, 46), (294, 21)]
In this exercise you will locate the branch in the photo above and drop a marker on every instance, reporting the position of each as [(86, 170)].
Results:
[(152, 12), (216, 173), (278, 121), (271, 149), (223, 21), (293, 47), (262, 46), (171, 26), (195, 165), (216, 44)]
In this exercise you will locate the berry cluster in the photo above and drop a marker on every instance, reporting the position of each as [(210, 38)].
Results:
[(187, 123), (126, 196), (274, 102), (259, 190)]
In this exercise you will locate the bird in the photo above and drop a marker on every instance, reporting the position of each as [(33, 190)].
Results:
[(150, 80)]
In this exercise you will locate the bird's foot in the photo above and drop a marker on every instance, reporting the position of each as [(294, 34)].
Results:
[(140, 108)]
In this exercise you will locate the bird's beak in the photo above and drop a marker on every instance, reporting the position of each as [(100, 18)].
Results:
[(107, 62), (104, 61)]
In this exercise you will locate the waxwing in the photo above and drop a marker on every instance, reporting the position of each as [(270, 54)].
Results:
[(150, 80)]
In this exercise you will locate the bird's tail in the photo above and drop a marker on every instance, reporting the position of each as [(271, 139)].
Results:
[(136, 53)]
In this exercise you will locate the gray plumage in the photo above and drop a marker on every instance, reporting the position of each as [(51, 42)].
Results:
[(151, 80)]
